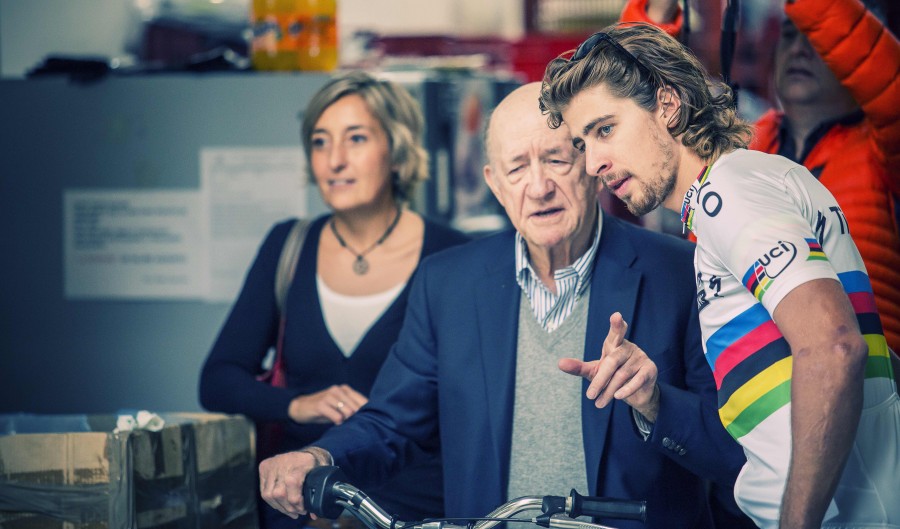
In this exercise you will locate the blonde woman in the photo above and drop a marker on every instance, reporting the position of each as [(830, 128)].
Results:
[(345, 306)]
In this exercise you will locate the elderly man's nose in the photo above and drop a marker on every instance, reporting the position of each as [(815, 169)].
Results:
[(540, 183)]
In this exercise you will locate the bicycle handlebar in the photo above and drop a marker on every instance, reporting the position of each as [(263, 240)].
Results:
[(606, 507), (326, 493)]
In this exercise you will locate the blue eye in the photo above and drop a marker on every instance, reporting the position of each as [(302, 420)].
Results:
[(317, 143), (604, 131), (358, 138)]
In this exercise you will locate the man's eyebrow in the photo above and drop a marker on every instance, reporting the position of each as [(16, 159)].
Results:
[(593, 123), (518, 158), (554, 151)]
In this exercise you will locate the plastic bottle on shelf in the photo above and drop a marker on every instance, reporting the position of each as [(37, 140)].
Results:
[(317, 46), (275, 26)]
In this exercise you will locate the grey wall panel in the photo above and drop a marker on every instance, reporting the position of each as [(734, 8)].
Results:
[(74, 356)]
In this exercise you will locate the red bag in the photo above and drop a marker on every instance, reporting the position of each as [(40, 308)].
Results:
[(275, 376), (270, 434)]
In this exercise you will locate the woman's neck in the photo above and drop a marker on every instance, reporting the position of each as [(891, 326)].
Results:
[(362, 227)]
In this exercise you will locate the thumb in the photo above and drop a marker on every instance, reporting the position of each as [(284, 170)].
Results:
[(574, 366)]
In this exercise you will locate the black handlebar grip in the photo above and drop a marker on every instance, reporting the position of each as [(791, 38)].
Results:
[(318, 495), (607, 507)]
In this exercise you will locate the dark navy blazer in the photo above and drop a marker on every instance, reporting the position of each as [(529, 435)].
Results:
[(451, 376)]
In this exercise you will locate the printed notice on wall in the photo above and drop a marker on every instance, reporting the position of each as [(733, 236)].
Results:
[(244, 192), (133, 244)]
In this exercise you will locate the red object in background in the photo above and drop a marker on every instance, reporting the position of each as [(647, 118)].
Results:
[(496, 49), (531, 54), (527, 56)]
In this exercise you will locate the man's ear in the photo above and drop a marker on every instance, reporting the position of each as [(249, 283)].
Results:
[(489, 180), (668, 103)]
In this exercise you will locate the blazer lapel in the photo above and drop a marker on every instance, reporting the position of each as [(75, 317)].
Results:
[(614, 288), (498, 325)]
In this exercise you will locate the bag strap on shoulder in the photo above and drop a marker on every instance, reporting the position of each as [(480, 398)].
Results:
[(287, 263)]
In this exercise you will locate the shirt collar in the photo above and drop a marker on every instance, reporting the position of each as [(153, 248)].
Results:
[(687, 209), (583, 266), (786, 146)]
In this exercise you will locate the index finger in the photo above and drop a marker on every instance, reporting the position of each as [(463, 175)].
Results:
[(616, 335)]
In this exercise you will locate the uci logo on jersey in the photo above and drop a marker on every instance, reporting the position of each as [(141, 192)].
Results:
[(772, 263)]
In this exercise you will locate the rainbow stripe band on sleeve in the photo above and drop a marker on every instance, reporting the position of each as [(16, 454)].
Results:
[(859, 290), (815, 251), (752, 364), (756, 280)]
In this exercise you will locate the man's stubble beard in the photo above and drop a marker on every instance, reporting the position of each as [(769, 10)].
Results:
[(655, 192)]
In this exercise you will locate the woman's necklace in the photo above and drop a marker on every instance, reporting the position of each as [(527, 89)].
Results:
[(360, 265)]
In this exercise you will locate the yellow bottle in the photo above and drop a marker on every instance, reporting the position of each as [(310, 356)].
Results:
[(275, 26), (317, 44)]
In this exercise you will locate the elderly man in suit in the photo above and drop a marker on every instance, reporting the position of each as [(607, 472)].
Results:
[(494, 331)]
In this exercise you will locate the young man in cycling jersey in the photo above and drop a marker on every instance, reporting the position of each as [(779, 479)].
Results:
[(836, 78), (790, 329)]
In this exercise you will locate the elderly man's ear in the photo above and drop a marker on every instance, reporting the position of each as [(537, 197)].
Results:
[(489, 180)]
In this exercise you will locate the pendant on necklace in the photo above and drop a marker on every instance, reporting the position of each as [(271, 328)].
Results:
[(360, 265)]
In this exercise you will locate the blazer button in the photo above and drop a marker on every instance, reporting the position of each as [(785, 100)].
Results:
[(667, 443), (682, 451)]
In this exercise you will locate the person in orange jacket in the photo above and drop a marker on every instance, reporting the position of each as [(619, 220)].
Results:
[(837, 77)]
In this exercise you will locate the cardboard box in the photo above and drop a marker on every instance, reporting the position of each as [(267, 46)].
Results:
[(197, 472)]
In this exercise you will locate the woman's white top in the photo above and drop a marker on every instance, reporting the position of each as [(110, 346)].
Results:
[(348, 318)]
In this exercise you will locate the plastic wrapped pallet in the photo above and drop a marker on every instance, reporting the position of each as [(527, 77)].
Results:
[(79, 472)]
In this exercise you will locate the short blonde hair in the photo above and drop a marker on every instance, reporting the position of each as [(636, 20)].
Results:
[(397, 112), (707, 120)]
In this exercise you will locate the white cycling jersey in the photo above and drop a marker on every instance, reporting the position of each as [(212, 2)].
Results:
[(765, 225)]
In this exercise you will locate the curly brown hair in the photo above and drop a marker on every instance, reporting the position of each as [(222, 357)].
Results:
[(707, 120)]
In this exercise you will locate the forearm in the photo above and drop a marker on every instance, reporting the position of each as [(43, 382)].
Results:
[(231, 389), (826, 397), (864, 56), (228, 380), (369, 454)]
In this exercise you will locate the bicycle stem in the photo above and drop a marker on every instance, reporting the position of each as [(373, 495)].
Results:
[(530, 503), (508, 510), (365, 509)]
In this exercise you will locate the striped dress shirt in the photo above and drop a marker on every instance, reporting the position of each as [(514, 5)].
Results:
[(550, 309)]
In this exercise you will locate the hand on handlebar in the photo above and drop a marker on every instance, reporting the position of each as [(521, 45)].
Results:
[(281, 479), (331, 405), (624, 372)]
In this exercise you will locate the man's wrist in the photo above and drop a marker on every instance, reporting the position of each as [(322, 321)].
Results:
[(651, 410), (321, 456)]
